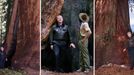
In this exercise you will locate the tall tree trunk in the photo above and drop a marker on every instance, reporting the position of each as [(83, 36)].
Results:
[(25, 29), (70, 12), (50, 9), (10, 28), (28, 36), (111, 26)]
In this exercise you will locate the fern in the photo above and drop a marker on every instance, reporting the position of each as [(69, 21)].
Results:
[(5, 14)]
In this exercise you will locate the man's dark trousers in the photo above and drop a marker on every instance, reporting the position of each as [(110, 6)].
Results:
[(131, 56), (62, 56)]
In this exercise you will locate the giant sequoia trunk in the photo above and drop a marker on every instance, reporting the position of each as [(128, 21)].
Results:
[(70, 12), (111, 26), (50, 9), (9, 35), (24, 34)]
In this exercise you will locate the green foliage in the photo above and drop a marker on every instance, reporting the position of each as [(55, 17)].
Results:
[(11, 72), (5, 12)]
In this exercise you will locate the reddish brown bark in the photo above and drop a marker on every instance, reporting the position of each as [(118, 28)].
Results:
[(50, 9), (28, 35), (111, 26), (9, 36)]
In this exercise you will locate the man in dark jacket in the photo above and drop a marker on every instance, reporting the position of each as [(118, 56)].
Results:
[(130, 48), (2, 58), (60, 40)]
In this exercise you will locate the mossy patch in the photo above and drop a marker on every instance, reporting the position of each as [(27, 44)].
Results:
[(11, 72)]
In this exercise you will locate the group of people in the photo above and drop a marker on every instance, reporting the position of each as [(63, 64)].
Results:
[(61, 41)]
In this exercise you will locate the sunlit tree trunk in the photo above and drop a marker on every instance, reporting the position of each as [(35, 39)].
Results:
[(28, 35), (50, 9), (111, 26), (24, 29)]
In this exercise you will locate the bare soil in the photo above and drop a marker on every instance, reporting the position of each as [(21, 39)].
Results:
[(114, 70), (45, 72)]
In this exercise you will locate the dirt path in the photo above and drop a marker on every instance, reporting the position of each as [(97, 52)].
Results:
[(30, 71), (114, 70), (43, 72)]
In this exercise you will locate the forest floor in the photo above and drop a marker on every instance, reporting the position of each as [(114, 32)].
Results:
[(11, 72), (114, 70), (30, 71), (45, 72), (27, 71)]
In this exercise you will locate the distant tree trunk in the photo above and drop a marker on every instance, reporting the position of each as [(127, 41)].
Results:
[(24, 29), (111, 26), (50, 9)]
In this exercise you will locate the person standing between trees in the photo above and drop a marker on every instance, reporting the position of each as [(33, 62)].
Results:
[(60, 40), (130, 48), (3, 58), (85, 32)]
